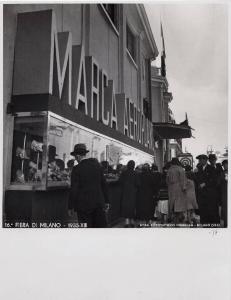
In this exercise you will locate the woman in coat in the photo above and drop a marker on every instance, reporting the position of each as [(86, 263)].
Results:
[(176, 181), (129, 185), (190, 195), (145, 207)]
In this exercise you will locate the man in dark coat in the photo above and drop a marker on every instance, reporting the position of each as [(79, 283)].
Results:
[(218, 171), (217, 167), (157, 177), (206, 180), (145, 206), (214, 164), (224, 185), (129, 182), (89, 194)]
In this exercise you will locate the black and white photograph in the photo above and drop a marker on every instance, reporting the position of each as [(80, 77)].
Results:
[(115, 115), (114, 153)]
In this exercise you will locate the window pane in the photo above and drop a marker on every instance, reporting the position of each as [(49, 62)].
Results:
[(112, 12), (27, 153), (111, 154), (131, 42)]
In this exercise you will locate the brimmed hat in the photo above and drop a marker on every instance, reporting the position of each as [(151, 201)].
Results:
[(202, 156), (79, 149)]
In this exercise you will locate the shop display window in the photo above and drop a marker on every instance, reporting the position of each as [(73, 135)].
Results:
[(27, 153), (42, 145)]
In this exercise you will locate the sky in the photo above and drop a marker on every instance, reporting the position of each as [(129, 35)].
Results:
[(196, 46)]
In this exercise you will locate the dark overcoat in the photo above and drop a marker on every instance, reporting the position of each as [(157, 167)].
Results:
[(208, 196), (88, 187), (157, 180), (224, 204), (129, 182), (145, 205), (218, 172)]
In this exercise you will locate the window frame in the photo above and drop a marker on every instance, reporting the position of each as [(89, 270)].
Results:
[(132, 58), (130, 33), (114, 24)]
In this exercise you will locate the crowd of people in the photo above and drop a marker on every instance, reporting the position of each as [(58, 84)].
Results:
[(177, 195)]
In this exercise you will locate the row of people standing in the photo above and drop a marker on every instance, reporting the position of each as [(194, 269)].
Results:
[(140, 188), (89, 195), (204, 190), (187, 194), (211, 181), (139, 191)]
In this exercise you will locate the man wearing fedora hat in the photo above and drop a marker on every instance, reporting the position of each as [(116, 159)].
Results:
[(89, 193), (206, 180)]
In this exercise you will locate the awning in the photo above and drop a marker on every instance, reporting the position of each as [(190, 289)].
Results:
[(172, 131)]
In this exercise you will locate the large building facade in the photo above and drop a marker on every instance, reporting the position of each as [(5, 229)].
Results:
[(73, 73)]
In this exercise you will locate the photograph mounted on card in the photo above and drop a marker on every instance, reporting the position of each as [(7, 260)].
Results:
[(101, 129)]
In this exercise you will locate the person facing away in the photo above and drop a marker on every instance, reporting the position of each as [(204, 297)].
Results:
[(129, 185), (157, 177), (208, 199), (176, 181), (89, 192), (145, 206)]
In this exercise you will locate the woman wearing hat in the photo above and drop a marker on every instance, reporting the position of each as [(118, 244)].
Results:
[(89, 194), (176, 181)]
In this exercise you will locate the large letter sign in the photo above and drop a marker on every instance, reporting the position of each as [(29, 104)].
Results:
[(47, 63)]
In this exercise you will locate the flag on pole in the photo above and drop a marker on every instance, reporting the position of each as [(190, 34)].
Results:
[(162, 37), (163, 56)]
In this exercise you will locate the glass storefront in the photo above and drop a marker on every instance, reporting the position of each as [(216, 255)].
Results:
[(27, 153), (41, 151)]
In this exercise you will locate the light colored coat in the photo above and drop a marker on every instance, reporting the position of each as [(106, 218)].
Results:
[(176, 181), (191, 195)]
